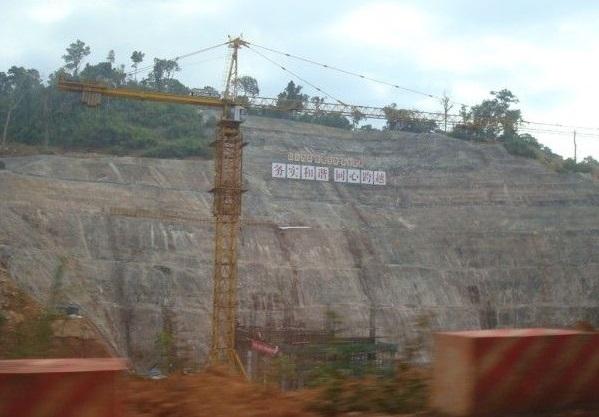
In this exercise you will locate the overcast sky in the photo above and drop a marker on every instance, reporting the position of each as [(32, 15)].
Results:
[(545, 52)]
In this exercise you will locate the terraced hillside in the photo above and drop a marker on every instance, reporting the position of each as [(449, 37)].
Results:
[(464, 231)]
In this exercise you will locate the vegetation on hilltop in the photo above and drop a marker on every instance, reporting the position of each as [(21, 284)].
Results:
[(34, 112), (494, 120)]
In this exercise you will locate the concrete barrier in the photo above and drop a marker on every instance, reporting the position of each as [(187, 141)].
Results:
[(487, 372), (61, 387)]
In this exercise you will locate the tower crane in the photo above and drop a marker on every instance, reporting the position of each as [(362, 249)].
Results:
[(227, 180), (227, 193)]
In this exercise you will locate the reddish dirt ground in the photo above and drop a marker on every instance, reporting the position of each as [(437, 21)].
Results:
[(211, 393), (214, 393)]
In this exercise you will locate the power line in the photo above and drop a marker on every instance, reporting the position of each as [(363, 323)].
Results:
[(561, 125), (558, 132)]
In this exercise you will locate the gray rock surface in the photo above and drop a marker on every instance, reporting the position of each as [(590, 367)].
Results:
[(464, 231)]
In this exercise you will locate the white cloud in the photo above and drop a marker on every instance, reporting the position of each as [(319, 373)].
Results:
[(562, 66), (466, 91), (50, 11), (191, 8), (383, 25)]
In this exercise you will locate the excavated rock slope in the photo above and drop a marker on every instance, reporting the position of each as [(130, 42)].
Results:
[(464, 231)]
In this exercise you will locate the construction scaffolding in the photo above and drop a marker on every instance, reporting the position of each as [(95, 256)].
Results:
[(293, 356)]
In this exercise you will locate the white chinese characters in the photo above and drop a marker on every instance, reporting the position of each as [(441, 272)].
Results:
[(279, 170), (340, 175), (308, 172), (380, 178), (319, 173), (353, 176), (322, 173), (367, 177), (294, 171)]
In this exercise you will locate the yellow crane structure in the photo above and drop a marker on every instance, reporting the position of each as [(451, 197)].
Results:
[(227, 193)]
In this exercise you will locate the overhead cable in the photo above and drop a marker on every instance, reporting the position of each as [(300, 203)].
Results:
[(177, 58), (407, 89), (297, 76), (355, 74)]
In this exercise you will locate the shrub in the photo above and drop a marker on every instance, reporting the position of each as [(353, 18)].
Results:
[(587, 165), (33, 337), (405, 392), (522, 145)]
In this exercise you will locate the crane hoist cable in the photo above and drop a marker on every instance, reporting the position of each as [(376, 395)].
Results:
[(355, 74), (203, 61), (297, 76), (177, 58), (399, 87)]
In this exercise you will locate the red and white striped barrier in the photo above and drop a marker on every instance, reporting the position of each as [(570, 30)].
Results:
[(60, 387), (487, 372)]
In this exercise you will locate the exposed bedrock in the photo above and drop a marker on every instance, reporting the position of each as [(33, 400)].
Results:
[(464, 231)]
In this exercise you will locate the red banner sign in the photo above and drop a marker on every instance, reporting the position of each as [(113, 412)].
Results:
[(265, 348)]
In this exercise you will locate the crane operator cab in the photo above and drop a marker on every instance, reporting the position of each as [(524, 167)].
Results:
[(236, 113)]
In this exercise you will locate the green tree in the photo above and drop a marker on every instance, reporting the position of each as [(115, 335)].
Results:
[(368, 128), (587, 165), (356, 117), (110, 58), (493, 119), (326, 119), (105, 73), (17, 86), (447, 106), (464, 114), (210, 91), (591, 162), (162, 73), (524, 145), (248, 86), (137, 58), (101, 72), (407, 120), (76, 52), (291, 98), (317, 103)]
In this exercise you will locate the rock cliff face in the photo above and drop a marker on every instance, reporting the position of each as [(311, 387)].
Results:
[(464, 231)]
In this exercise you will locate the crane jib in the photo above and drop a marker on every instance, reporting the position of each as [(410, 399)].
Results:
[(93, 89)]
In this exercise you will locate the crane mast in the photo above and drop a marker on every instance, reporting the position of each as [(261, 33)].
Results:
[(227, 211)]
